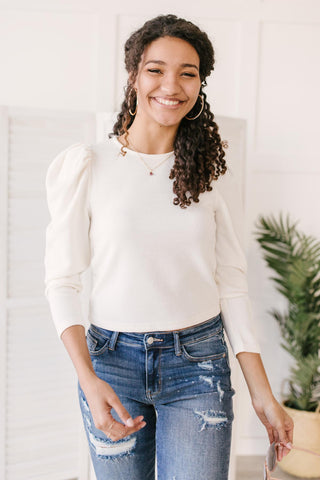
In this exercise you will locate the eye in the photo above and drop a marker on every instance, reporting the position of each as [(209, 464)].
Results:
[(189, 74), (154, 70)]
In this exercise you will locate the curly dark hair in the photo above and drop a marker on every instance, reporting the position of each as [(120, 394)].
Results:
[(198, 149)]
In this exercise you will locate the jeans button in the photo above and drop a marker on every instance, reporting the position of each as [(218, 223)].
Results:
[(150, 340)]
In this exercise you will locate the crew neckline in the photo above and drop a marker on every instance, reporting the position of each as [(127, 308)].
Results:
[(149, 155)]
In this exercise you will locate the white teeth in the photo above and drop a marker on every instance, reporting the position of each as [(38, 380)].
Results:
[(167, 102)]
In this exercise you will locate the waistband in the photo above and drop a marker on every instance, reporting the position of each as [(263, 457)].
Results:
[(162, 339)]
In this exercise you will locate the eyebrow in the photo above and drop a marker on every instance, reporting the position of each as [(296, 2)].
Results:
[(160, 62)]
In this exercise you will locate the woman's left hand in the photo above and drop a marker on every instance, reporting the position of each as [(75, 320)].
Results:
[(278, 424)]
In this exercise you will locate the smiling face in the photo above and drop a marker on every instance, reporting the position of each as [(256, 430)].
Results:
[(168, 81)]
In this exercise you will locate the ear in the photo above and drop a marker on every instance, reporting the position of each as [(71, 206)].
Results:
[(131, 79)]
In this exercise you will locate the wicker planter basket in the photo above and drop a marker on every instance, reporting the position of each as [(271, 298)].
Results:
[(306, 434)]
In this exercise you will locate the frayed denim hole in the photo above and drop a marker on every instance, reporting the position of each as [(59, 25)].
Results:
[(212, 418), (104, 447)]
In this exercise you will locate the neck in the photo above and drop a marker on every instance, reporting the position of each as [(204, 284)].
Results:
[(150, 138)]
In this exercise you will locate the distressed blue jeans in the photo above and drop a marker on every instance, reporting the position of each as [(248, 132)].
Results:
[(180, 382)]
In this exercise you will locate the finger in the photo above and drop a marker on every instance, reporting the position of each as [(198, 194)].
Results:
[(280, 452), (119, 430), (277, 443), (137, 420), (123, 413), (275, 437), (138, 426), (289, 431), (108, 423), (270, 432), (115, 429), (284, 438)]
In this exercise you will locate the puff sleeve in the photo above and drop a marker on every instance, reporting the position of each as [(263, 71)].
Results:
[(67, 246), (231, 267)]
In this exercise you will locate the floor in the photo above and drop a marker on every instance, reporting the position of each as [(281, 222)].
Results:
[(251, 468), (248, 468)]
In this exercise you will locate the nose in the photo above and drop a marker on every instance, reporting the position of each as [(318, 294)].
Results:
[(170, 84)]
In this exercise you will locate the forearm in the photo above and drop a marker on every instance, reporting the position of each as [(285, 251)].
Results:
[(74, 340), (255, 377), (278, 423)]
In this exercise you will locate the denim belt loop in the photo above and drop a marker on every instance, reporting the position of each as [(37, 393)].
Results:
[(113, 340), (177, 346)]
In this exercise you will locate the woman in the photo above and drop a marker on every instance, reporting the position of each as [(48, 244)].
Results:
[(168, 274)]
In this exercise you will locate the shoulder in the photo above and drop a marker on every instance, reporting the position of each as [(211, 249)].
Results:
[(106, 149), (77, 160), (69, 171), (70, 161)]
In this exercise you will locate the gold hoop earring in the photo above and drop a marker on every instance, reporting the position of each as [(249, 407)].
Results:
[(129, 106), (202, 105)]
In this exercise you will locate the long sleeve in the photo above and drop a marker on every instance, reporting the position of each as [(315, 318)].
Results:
[(231, 267), (67, 247)]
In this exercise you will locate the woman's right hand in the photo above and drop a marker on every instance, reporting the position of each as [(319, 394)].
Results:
[(101, 399)]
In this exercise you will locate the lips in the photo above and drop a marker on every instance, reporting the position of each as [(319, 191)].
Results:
[(167, 102)]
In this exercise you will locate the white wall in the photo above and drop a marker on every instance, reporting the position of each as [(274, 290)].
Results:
[(67, 55)]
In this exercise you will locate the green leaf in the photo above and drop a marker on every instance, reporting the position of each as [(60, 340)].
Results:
[(295, 259)]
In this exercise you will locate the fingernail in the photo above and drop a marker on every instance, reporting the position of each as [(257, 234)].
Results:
[(130, 422), (289, 445)]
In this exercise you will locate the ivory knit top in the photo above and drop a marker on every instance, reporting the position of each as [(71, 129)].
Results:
[(155, 266)]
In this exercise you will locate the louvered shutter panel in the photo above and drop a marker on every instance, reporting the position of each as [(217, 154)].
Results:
[(41, 429)]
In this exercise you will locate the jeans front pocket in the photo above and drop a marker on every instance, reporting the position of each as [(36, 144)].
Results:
[(210, 347), (96, 342)]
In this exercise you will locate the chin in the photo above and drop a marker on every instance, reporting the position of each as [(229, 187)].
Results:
[(167, 122)]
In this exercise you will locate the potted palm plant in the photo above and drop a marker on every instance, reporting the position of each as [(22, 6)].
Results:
[(295, 259)]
